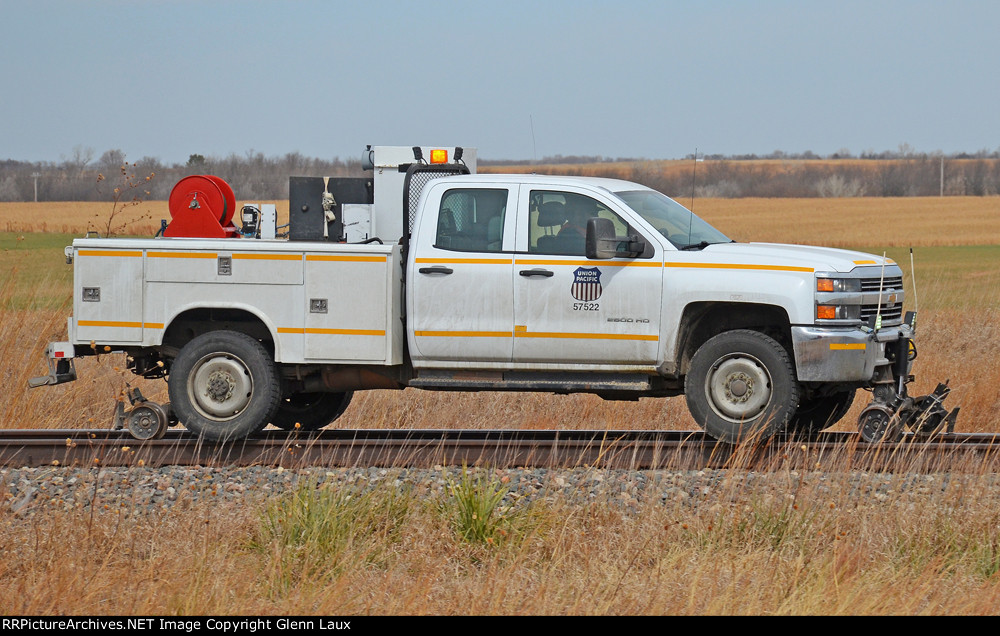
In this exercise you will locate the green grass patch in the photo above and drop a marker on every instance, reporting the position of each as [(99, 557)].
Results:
[(961, 277), (36, 275), (316, 533)]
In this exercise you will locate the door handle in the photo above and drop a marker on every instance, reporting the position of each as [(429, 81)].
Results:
[(536, 272), (435, 270)]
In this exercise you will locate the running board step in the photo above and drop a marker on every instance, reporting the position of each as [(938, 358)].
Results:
[(530, 381)]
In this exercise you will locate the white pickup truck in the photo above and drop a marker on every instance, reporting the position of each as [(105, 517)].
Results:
[(428, 275)]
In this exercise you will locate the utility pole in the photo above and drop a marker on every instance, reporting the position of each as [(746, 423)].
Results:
[(35, 176)]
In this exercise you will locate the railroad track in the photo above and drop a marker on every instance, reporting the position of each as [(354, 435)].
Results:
[(685, 450)]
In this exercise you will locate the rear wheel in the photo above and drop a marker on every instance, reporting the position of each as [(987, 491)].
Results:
[(224, 385), (311, 411), (741, 384)]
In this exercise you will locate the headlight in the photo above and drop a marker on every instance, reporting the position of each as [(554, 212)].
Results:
[(838, 284), (838, 312)]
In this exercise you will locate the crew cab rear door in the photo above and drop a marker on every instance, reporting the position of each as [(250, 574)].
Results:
[(569, 309), (460, 297)]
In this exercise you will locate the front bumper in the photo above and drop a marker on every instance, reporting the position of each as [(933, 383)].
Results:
[(831, 354)]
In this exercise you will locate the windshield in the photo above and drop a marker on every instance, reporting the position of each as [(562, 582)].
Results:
[(680, 226)]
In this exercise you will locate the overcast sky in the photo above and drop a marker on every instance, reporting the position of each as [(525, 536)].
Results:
[(515, 79)]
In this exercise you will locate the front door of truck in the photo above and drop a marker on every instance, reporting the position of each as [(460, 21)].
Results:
[(460, 297), (572, 310)]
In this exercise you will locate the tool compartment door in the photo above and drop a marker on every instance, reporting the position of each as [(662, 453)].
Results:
[(107, 295), (352, 308)]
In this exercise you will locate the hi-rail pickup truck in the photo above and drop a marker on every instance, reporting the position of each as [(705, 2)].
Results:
[(428, 275)]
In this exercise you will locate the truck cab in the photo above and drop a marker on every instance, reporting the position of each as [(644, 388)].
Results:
[(508, 288)]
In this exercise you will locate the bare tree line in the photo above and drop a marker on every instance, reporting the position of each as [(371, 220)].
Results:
[(81, 177), (831, 178), (85, 177)]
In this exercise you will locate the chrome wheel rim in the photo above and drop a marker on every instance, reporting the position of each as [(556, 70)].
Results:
[(738, 387), (220, 386)]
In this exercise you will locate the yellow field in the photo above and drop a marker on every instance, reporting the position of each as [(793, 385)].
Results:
[(77, 217), (870, 221), (875, 221)]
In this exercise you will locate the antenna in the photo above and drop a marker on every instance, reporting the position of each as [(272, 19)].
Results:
[(694, 174), (916, 302), (878, 310), (534, 153)]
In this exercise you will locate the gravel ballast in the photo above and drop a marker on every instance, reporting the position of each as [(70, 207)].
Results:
[(27, 491)]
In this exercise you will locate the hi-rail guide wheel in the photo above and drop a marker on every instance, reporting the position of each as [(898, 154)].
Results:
[(879, 423), (148, 420)]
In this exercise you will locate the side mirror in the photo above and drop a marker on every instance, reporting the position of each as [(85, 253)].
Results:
[(601, 241)]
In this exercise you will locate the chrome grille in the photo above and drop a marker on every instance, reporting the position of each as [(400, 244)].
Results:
[(890, 282), (891, 314)]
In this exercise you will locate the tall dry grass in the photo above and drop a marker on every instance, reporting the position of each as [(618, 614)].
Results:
[(24, 333), (728, 542)]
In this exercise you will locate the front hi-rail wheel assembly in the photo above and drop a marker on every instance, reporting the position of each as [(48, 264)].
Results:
[(894, 412)]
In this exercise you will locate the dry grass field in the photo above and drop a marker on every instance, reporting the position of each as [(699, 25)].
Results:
[(807, 543), (847, 222), (69, 217), (793, 544)]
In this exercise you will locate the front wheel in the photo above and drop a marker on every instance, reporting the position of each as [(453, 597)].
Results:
[(224, 385), (822, 412), (310, 411), (741, 384)]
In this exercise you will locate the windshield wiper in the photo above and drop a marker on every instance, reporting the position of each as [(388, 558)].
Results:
[(695, 246)]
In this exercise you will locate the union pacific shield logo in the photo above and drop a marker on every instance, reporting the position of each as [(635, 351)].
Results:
[(586, 283)]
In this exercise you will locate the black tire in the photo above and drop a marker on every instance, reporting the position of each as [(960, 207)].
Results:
[(224, 386), (741, 384), (822, 412), (311, 411)]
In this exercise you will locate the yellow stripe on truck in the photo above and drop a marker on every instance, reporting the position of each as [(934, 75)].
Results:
[(521, 332), (594, 263), (132, 253), (466, 261), (770, 268), (463, 334), (107, 323), (848, 346), (182, 255), (585, 336), (342, 258), (332, 332), (268, 257)]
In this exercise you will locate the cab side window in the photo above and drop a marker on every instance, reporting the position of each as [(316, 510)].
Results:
[(557, 222), (471, 220)]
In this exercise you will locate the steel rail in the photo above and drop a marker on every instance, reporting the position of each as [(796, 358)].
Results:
[(618, 449)]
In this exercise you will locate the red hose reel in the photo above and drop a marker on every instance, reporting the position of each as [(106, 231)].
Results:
[(202, 206)]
